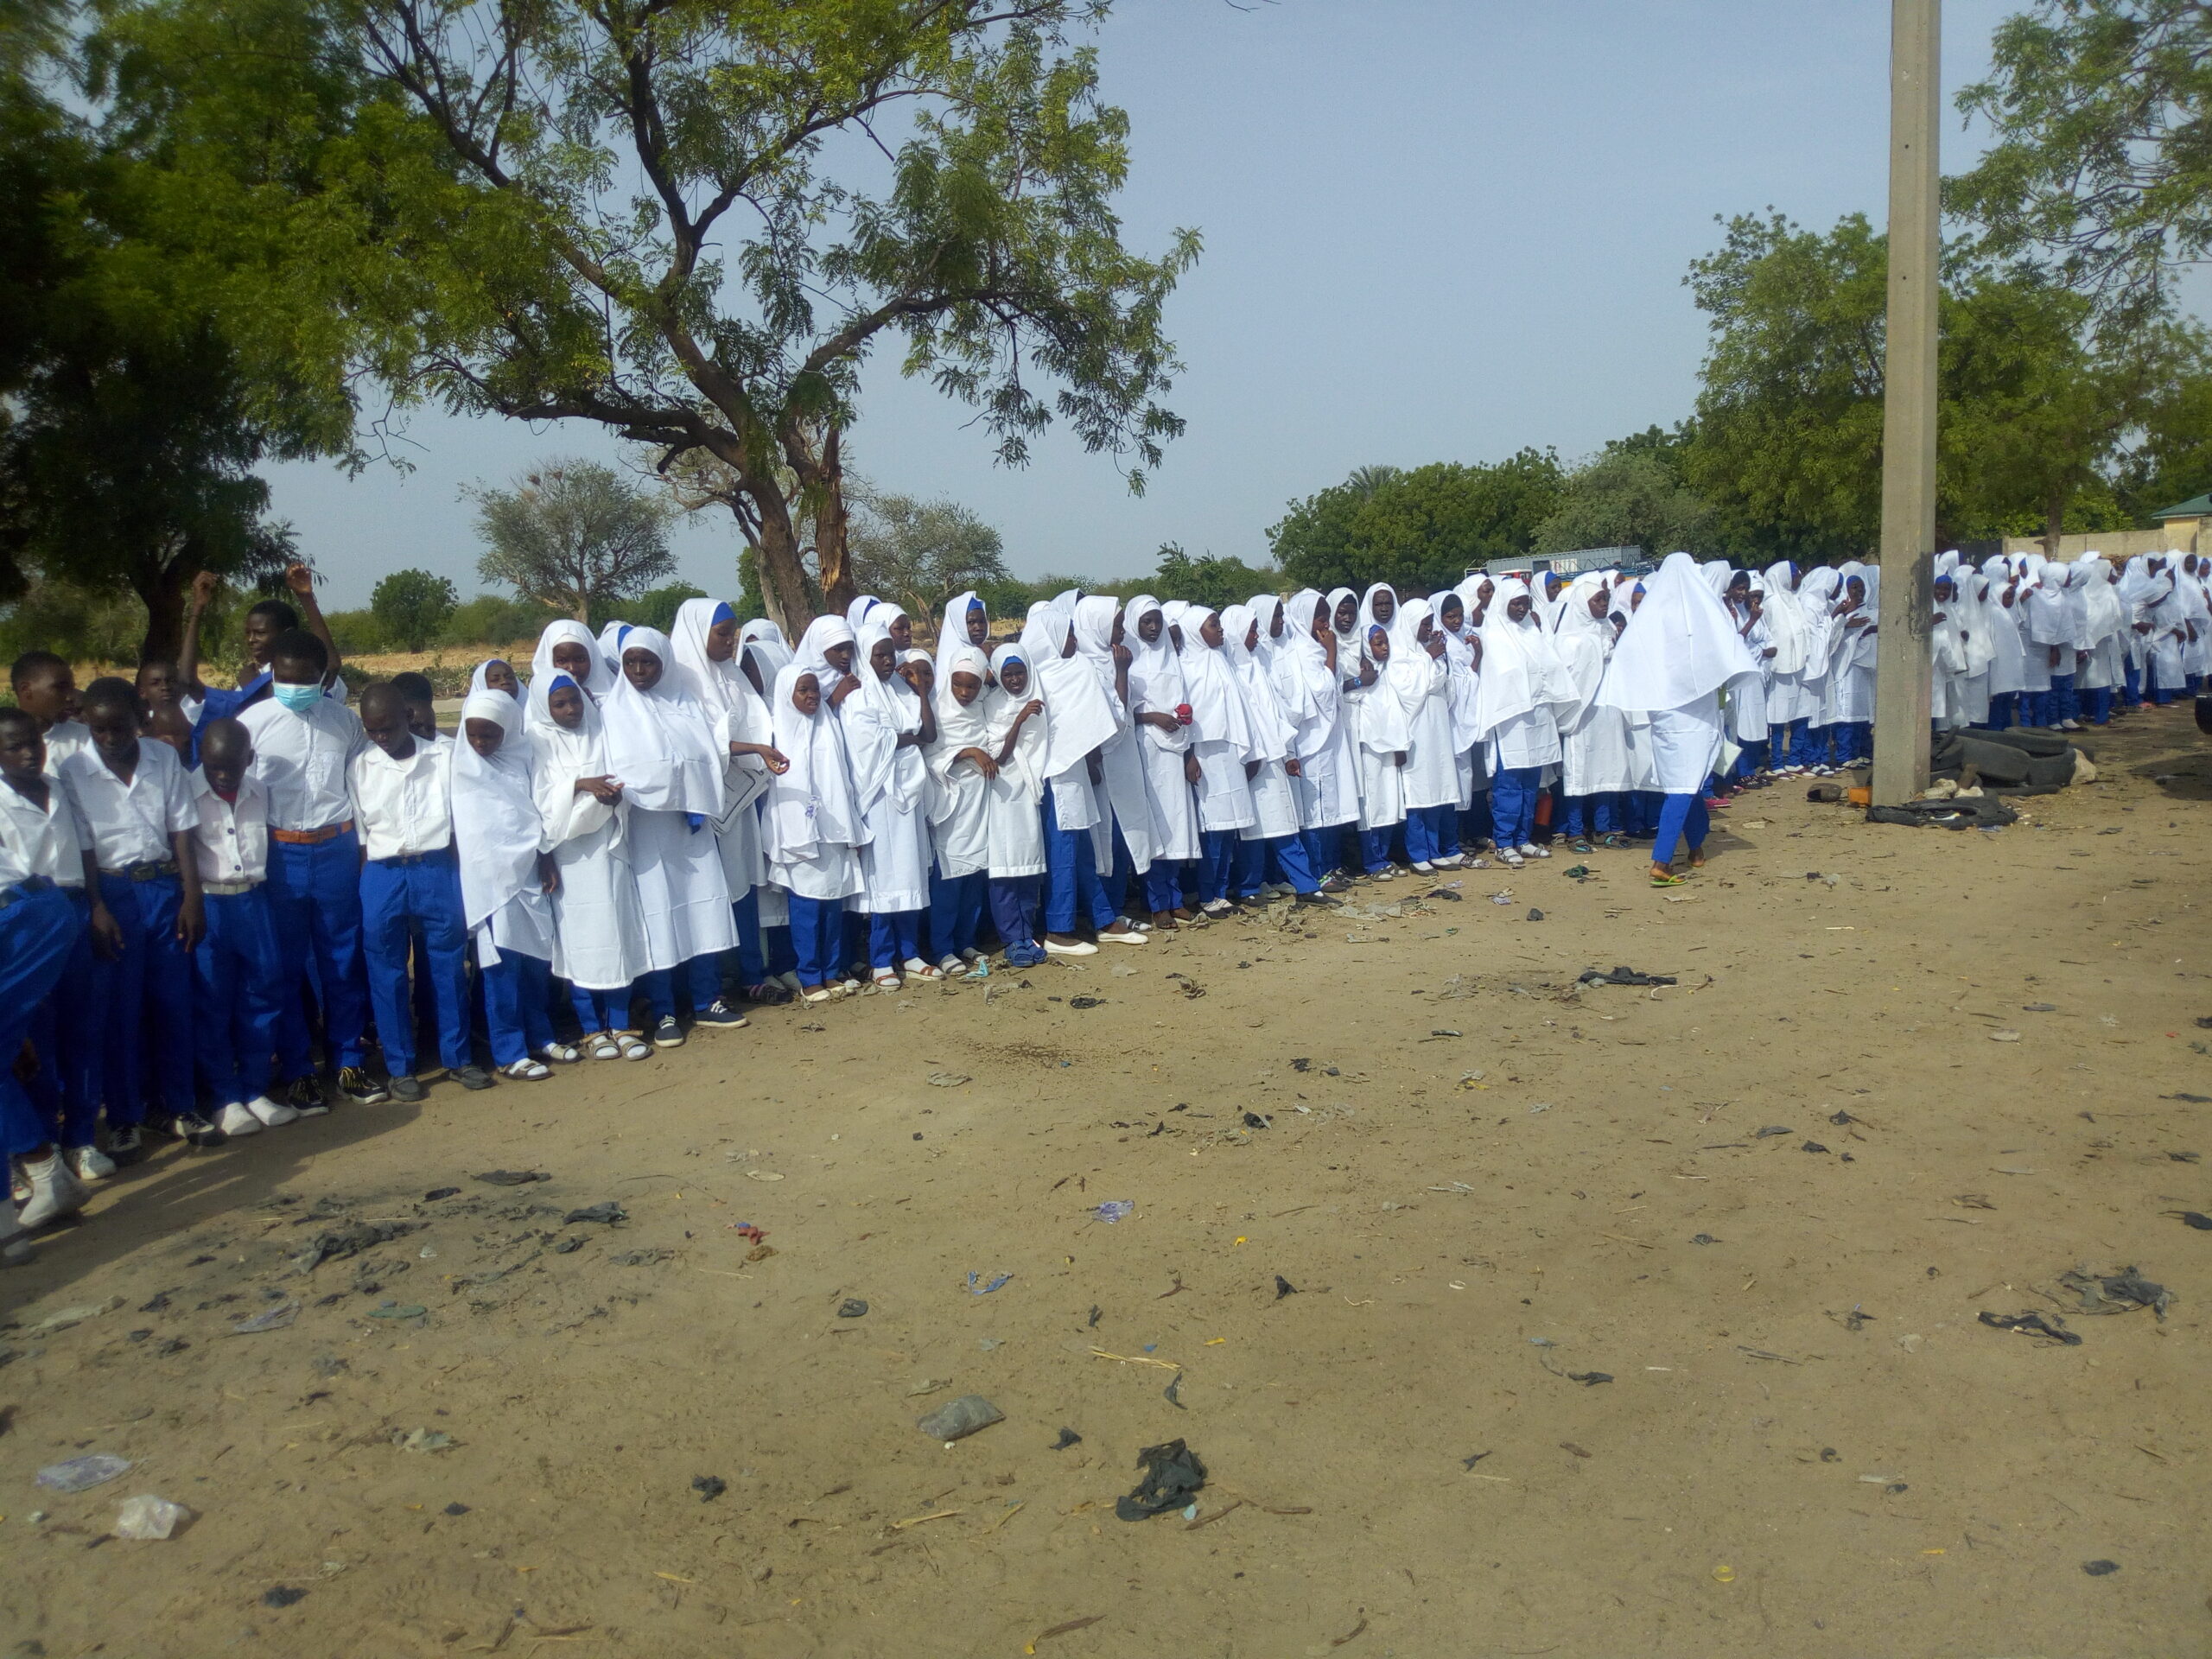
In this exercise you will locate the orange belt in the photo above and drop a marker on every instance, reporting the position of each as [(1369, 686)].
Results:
[(311, 837)]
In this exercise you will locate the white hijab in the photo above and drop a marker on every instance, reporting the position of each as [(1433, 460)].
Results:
[(1217, 713), (599, 678), (1520, 673), (959, 726), (1079, 714), (1155, 672), (1273, 736), (559, 757), (498, 831), (810, 803), (662, 744), (952, 633), (1678, 647), (875, 718)]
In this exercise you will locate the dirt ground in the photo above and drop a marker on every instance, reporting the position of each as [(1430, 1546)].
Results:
[(1982, 1050)]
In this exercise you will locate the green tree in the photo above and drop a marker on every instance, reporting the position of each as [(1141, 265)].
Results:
[(1417, 530), (413, 607), (1626, 498), (683, 218), (574, 535), (657, 608), (921, 553), (1209, 580)]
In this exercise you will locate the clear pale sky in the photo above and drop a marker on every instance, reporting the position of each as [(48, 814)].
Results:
[(1436, 230)]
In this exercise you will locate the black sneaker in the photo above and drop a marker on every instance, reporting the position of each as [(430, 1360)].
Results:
[(720, 1014), (126, 1143), (668, 1034), (358, 1086), (304, 1095), (472, 1077), (196, 1131), (1337, 883), (1320, 899), (408, 1089)]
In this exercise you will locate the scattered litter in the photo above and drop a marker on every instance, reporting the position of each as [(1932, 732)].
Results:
[(948, 1079), (2194, 1218), (1115, 1210), (1470, 1462), (1703, 1238), (1445, 1031), (957, 1419), (1812, 1146), (1502, 897), (2034, 1324), (1253, 1120), (1171, 1473), (1284, 1288), (645, 1258), (1724, 1573), (397, 1310), (974, 1289), (2120, 1292), (1068, 1438), (1622, 976), (608, 1213), (73, 1316), (853, 1308), (453, 1509), (283, 1595), (2100, 1569), (275, 1320), (2004, 1036), (2038, 1008), (1589, 1379), (81, 1474), (569, 1245), (511, 1177), (437, 1192), (147, 1517), (709, 1487), (762, 1175), (423, 1440), (1772, 1129), (1569, 1445), (1536, 915), (1086, 1001)]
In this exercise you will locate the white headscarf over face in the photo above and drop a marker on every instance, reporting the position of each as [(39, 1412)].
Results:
[(1155, 673), (720, 687), (610, 644), (1410, 674), (480, 680), (959, 725), (599, 678), (1347, 638), (1023, 769), (822, 635), (875, 718), (1273, 734), (662, 745), (1785, 618), (952, 631), (1368, 618), (559, 756), (1217, 714), (1080, 715), (1299, 665), (857, 613), (810, 803), (1679, 646), (497, 829)]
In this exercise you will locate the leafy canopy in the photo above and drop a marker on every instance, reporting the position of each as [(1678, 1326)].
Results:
[(1420, 530), (412, 608), (574, 535)]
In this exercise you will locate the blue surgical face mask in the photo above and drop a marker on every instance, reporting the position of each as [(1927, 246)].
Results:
[(297, 698)]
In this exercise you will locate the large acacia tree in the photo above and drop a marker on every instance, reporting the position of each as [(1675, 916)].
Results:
[(693, 221)]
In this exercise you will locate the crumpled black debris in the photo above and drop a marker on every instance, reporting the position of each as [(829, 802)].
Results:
[(1171, 1473), (1301, 1064), (1536, 915), (437, 1192), (709, 1487), (2118, 1293), (1812, 1146), (1253, 1120), (1086, 1001), (350, 1240), (1284, 1288), (1068, 1438), (1622, 976), (2100, 1569), (1774, 1130), (510, 1177), (283, 1595), (569, 1245), (852, 1308), (1443, 893), (609, 1213), (456, 1508), (1703, 1238), (1589, 1379), (2034, 1324), (2195, 1219)]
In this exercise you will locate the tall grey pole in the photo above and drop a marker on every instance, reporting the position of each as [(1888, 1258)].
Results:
[(1907, 558)]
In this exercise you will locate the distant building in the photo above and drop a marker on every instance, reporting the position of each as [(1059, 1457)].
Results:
[(1569, 564), (2184, 522)]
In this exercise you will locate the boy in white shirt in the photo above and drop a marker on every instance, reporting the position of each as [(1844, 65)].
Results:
[(145, 918), (47, 691), (237, 970), (410, 887), (302, 743), (37, 930)]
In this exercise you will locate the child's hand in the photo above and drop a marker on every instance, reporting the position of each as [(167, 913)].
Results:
[(191, 924), (107, 933)]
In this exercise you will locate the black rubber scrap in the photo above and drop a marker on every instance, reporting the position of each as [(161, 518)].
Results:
[(1068, 1438), (1171, 1473), (2100, 1569), (1589, 1379), (1284, 1288), (2195, 1219), (709, 1487), (609, 1213), (510, 1177), (2032, 1323), (852, 1308)]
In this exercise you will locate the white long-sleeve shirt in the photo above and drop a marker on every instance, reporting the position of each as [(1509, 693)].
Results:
[(404, 808)]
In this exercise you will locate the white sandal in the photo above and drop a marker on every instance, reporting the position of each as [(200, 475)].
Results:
[(605, 1046), (634, 1047), (885, 979), (917, 969), (525, 1071), (559, 1054), (818, 994)]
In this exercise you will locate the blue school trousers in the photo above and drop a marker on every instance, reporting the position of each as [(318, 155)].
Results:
[(703, 982), (2001, 712), (752, 957), (1216, 860), (1751, 757), (38, 928), (413, 901), (1431, 833), (1854, 741), (145, 1000), (2064, 704), (1513, 791), (818, 937), (895, 937), (2131, 687), (2099, 706), (598, 1011), (1072, 884), (66, 1032), (1587, 816), (315, 896), (1476, 823), (1683, 816), (235, 975), (515, 991), (1013, 913), (1163, 885), (1289, 859), (955, 911)]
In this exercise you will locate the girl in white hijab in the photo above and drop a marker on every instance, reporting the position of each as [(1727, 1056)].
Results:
[(599, 943), (1273, 835), (1378, 721), (1013, 716), (610, 645), (1418, 675), (1990, 631), (1851, 661), (966, 623), (962, 761), (567, 646), (1595, 769), (1343, 622), (1678, 652), (1816, 593), (666, 752), (1123, 792), (1790, 706), (1522, 690), (506, 880), (496, 674), (705, 637), (1081, 717), (811, 826), (2104, 633), (1326, 783), (1161, 711), (887, 727), (1222, 744)]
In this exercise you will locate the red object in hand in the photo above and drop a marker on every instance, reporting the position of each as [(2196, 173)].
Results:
[(1183, 715)]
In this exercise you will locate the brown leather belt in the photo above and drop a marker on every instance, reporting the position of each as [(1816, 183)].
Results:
[(310, 837)]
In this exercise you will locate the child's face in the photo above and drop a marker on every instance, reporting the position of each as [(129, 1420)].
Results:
[(1014, 678), (902, 631), (115, 731), (157, 685), (1252, 636), (1378, 645), (1347, 612), (226, 772), (574, 660), (1150, 625), (422, 718), (806, 695), (48, 697), (1210, 631), (295, 671), (259, 633), (386, 724), (500, 676), (1517, 608), (920, 674), (1386, 605), (722, 640), (167, 724), (485, 736), (22, 752), (979, 624), (567, 708), (1453, 616), (641, 668), (883, 656), (966, 687), (839, 656)]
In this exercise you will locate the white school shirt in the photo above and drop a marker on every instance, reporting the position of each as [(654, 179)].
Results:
[(35, 840), (63, 739), (402, 808), (302, 760), (229, 842), (130, 823)]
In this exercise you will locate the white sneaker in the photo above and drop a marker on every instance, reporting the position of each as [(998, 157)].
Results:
[(54, 1192), (1451, 860), (1080, 948), (1511, 859), (1423, 867), (89, 1163), (273, 1113), (237, 1119), (1529, 849)]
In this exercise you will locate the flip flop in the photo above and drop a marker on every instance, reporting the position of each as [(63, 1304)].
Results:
[(1669, 880)]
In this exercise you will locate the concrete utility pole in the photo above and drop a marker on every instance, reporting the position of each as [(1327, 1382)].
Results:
[(1902, 681)]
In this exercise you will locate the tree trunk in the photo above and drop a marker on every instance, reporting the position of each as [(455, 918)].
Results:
[(783, 578), (161, 585), (830, 523), (2054, 523)]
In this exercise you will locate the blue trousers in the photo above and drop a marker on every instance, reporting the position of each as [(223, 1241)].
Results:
[(1291, 859), (1751, 757), (955, 911), (1854, 741), (2065, 704), (1163, 885), (1590, 815), (1072, 884), (315, 892), (1116, 881), (66, 1032), (235, 975), (752, 959), (1476, 823), (1013, 913), (598, 1011), (37, 932), (1375, 849), (702, 981), (1217, 857), (1513, 791), (413, 905), (1248, 867), (818, 936), (145, 1000), (1432, 832), (893, 938), (2130, 690), (515, 988), (2000, 712), (1682, 816), (2099, 704)]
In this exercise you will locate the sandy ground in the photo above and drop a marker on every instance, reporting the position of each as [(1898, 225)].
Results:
[(1480, 1183)]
